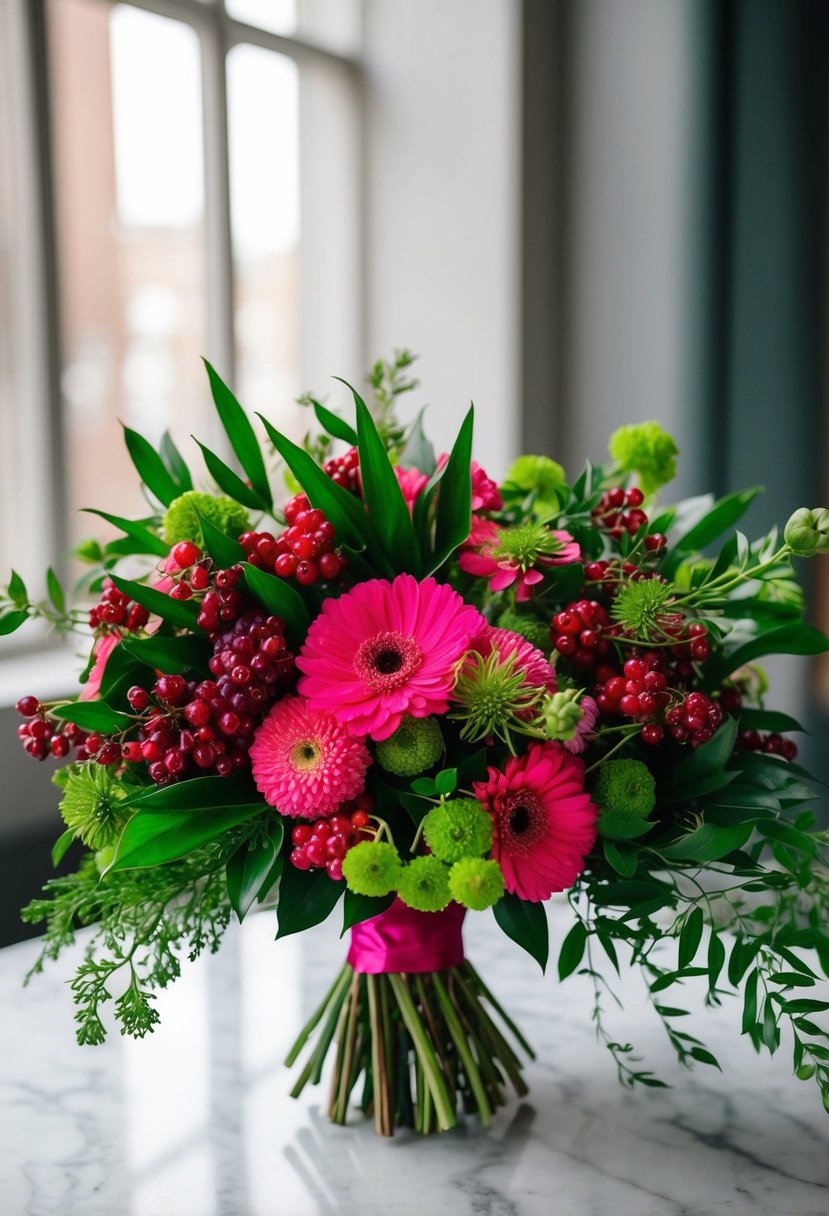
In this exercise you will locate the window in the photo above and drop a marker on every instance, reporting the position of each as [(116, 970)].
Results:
[(199, 166)]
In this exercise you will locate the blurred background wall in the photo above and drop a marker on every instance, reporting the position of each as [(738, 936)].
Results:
[(579, 212)]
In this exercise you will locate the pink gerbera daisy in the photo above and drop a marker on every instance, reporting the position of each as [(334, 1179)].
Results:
[(528, 658), (544, 823), (385, 650), (304, 762)]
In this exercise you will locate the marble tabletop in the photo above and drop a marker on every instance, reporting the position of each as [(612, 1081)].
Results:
[(196, 1119)]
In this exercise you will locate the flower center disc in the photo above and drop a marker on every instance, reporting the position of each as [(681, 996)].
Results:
[(523, 823), (387, 660), (305, 755)]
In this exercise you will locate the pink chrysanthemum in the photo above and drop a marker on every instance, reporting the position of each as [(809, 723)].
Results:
[(411, 482), (385, 650), (585, 728), (485, 493), (517, 555), (304, 762), (528, 658), (544, 823)]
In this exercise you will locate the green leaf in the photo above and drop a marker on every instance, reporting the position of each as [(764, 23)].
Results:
[(154, 837), (446, 781), (61, 845), (724, 515), (526, 924), (171, 655), (425, 786), (200, 794), (418, 452), (791, 979), (181, 613), (454, 514), (93, 715), (122, 672), (716, 959), (618, 825), (784, 833), (767, 719), (221, 548), (145, 540), (12, 621), (55, 591), (417, 808), (708, 758), (690, 938), (623, 859), (628, 894), (280, 598), (704, 1056), (151, 468), (750, 1001), (805, 1072), (383, 496), (176, 464), (707, 843), (357, 908), (305, 899), (793, 638), (248, 869), (230, 482), (334, 424), (17, 590), (572, 950), (242, 436)]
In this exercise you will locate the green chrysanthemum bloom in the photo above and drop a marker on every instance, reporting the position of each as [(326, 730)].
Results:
[(181, 521), (645, 448), (475, 883), (626, 786), (416, 745), (424, 885), (372, 868), (91, 805), (459, 828), (639, 606), (493, 697), (561, 714), (538, 475), (807, 532), (529, 627)]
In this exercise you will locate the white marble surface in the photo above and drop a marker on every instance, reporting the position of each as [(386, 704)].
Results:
[(196, 1121)]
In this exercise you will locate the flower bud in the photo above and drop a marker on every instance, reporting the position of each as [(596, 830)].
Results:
[(807, 531), (561, 715)]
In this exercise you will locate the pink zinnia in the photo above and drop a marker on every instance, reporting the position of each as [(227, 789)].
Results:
[(544, 823), (517, 555), (304, 762), (538, 672), (411, 482), (585, 728), (385, 650)]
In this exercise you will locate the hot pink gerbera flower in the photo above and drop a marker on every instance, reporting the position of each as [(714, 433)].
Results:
[(544, 822), (385, 650), (411, 482), (517, 555), (304, 762)]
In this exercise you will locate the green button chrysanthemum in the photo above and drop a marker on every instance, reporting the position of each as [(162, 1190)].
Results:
[(91, 805), (626, 786), (646, 449), (475, 883), (372, 868), (538, 475), (460, 828), (415, 746), (424, 884), (528, 627), (181, 521)]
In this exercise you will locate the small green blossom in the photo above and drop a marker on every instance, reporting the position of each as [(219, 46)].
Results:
[(475, 883), (538, 475), (415, 746), (493, 697), (528, 627), (372, 867), (524, 543), (424, 884), (807, 531), (181, 521), (91, 805), (626, 786), (561, 713), (646, 449), (459, 828), (639, 606)]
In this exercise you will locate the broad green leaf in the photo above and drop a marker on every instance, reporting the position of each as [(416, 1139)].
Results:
[(151, 468), (122, 672), (622, 858), (716, 958), (171, 655), (152, 838), (767, 719), (794, 638), (708, 758), (425, 786), (704, 1056), (230, 482), (242, 436), (418, 452), (791, 979), (12, 621), (55, 590), (446, 782), (200, 794), (707, 843), (454, 513), (784, 833), (224, 551), (690, 938), (724, 515), (526, 924), (145, 540), (61, 845), (750, 1001), (181, 613), (805, 1005), (572, 950), (249, 867), (357, 908), (93, 715), (305, 899), (176, 464), (282, 600), (17, 590), (617, 825), (334, 424)]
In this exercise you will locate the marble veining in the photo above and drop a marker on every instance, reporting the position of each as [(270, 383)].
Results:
[(196, 1119)]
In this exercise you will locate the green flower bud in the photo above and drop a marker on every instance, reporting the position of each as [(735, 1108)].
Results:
[(644, 448), (807, 531), (459, 828), (626, 786), (475, 883), (415, 746), (561, 714), (181, 521), (372, 867), (424, 884)]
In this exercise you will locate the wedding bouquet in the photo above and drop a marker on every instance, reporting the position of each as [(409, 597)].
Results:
[(409, 691)]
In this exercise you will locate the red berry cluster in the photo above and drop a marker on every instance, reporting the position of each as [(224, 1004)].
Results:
[(117, 610), (618, 511), (610, 575), (304, 551), (695, 719), (579, 633), (772, 744), (326, 842), (647, 691), (42, 737), (345, 470)]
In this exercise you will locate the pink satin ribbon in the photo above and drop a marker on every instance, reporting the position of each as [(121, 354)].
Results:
[(401, 939)]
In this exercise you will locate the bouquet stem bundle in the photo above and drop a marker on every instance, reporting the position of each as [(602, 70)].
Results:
[(419, 1042)]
